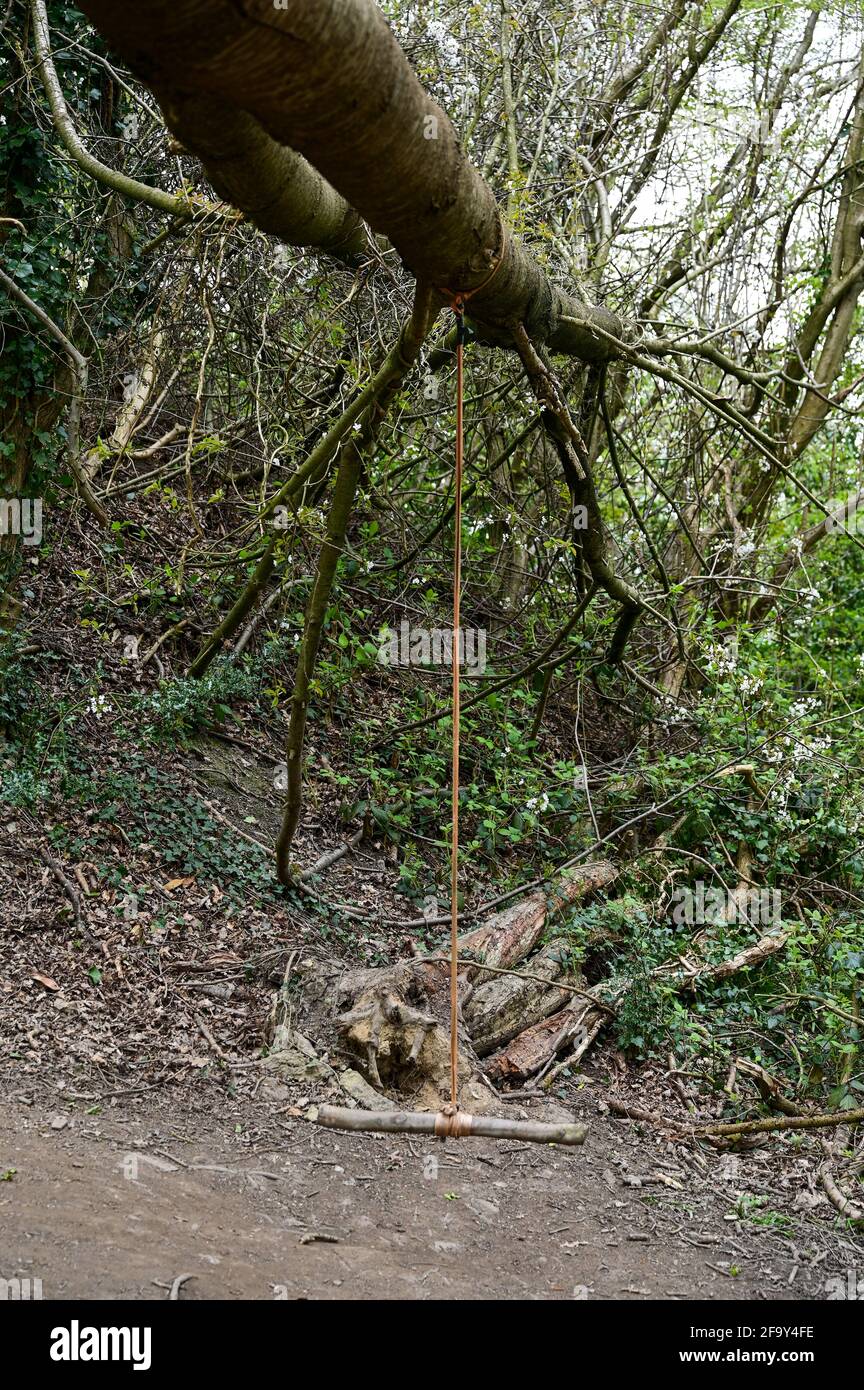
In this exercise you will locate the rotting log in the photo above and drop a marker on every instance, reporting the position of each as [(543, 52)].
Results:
[(392, 1022), (527, 1052), (501, 1008), (531, 1049), (507, 937)]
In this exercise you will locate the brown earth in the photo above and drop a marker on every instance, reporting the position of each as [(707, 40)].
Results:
[(140, 1139), (257, 1204)]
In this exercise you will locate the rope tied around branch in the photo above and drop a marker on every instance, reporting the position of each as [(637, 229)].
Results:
[(458, 299), (452, 1123)]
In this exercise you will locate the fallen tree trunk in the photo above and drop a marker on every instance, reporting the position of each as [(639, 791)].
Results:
[(531, 1049), (512, 934), (276, 189), (760, 951), (393, 1022), (503, 1007), (581, 1019)]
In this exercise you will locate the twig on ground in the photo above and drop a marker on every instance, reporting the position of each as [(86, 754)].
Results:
[(177, 1285)]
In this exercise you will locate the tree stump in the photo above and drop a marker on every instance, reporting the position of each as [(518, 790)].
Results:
[(392, 1023)]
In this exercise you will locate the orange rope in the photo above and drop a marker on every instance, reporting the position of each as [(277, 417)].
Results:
[(458, 309), (462, 296), (457, 303)]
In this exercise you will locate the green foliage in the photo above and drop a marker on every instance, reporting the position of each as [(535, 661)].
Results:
[(156, 813), (96, 744), (19, 712), (179, 707)]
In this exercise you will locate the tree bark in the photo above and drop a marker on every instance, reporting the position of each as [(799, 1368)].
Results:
[(275, 188), (394, 1021), (330, 81)]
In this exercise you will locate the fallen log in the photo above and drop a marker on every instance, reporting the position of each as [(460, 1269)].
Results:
[(393, 1022), (531, 1049), (499, 1009), (511, 935), (527, 1052), (840, 1117)]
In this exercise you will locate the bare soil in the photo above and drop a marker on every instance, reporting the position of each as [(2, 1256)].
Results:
[(254, 1203)]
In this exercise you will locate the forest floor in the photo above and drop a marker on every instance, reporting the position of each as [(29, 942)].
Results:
[(256, 1204), (142, 941), (142, 1140)]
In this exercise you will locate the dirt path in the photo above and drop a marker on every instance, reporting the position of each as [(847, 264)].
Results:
[(257, 1205)]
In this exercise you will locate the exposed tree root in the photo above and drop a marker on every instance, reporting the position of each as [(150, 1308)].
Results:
[(390, 1025), (393, 1022)]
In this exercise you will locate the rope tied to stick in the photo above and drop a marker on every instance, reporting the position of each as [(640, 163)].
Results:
[(459, 311), (452, 1123), (458, 301)]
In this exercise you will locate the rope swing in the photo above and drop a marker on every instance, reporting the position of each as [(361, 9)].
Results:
[(451, 1122)]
